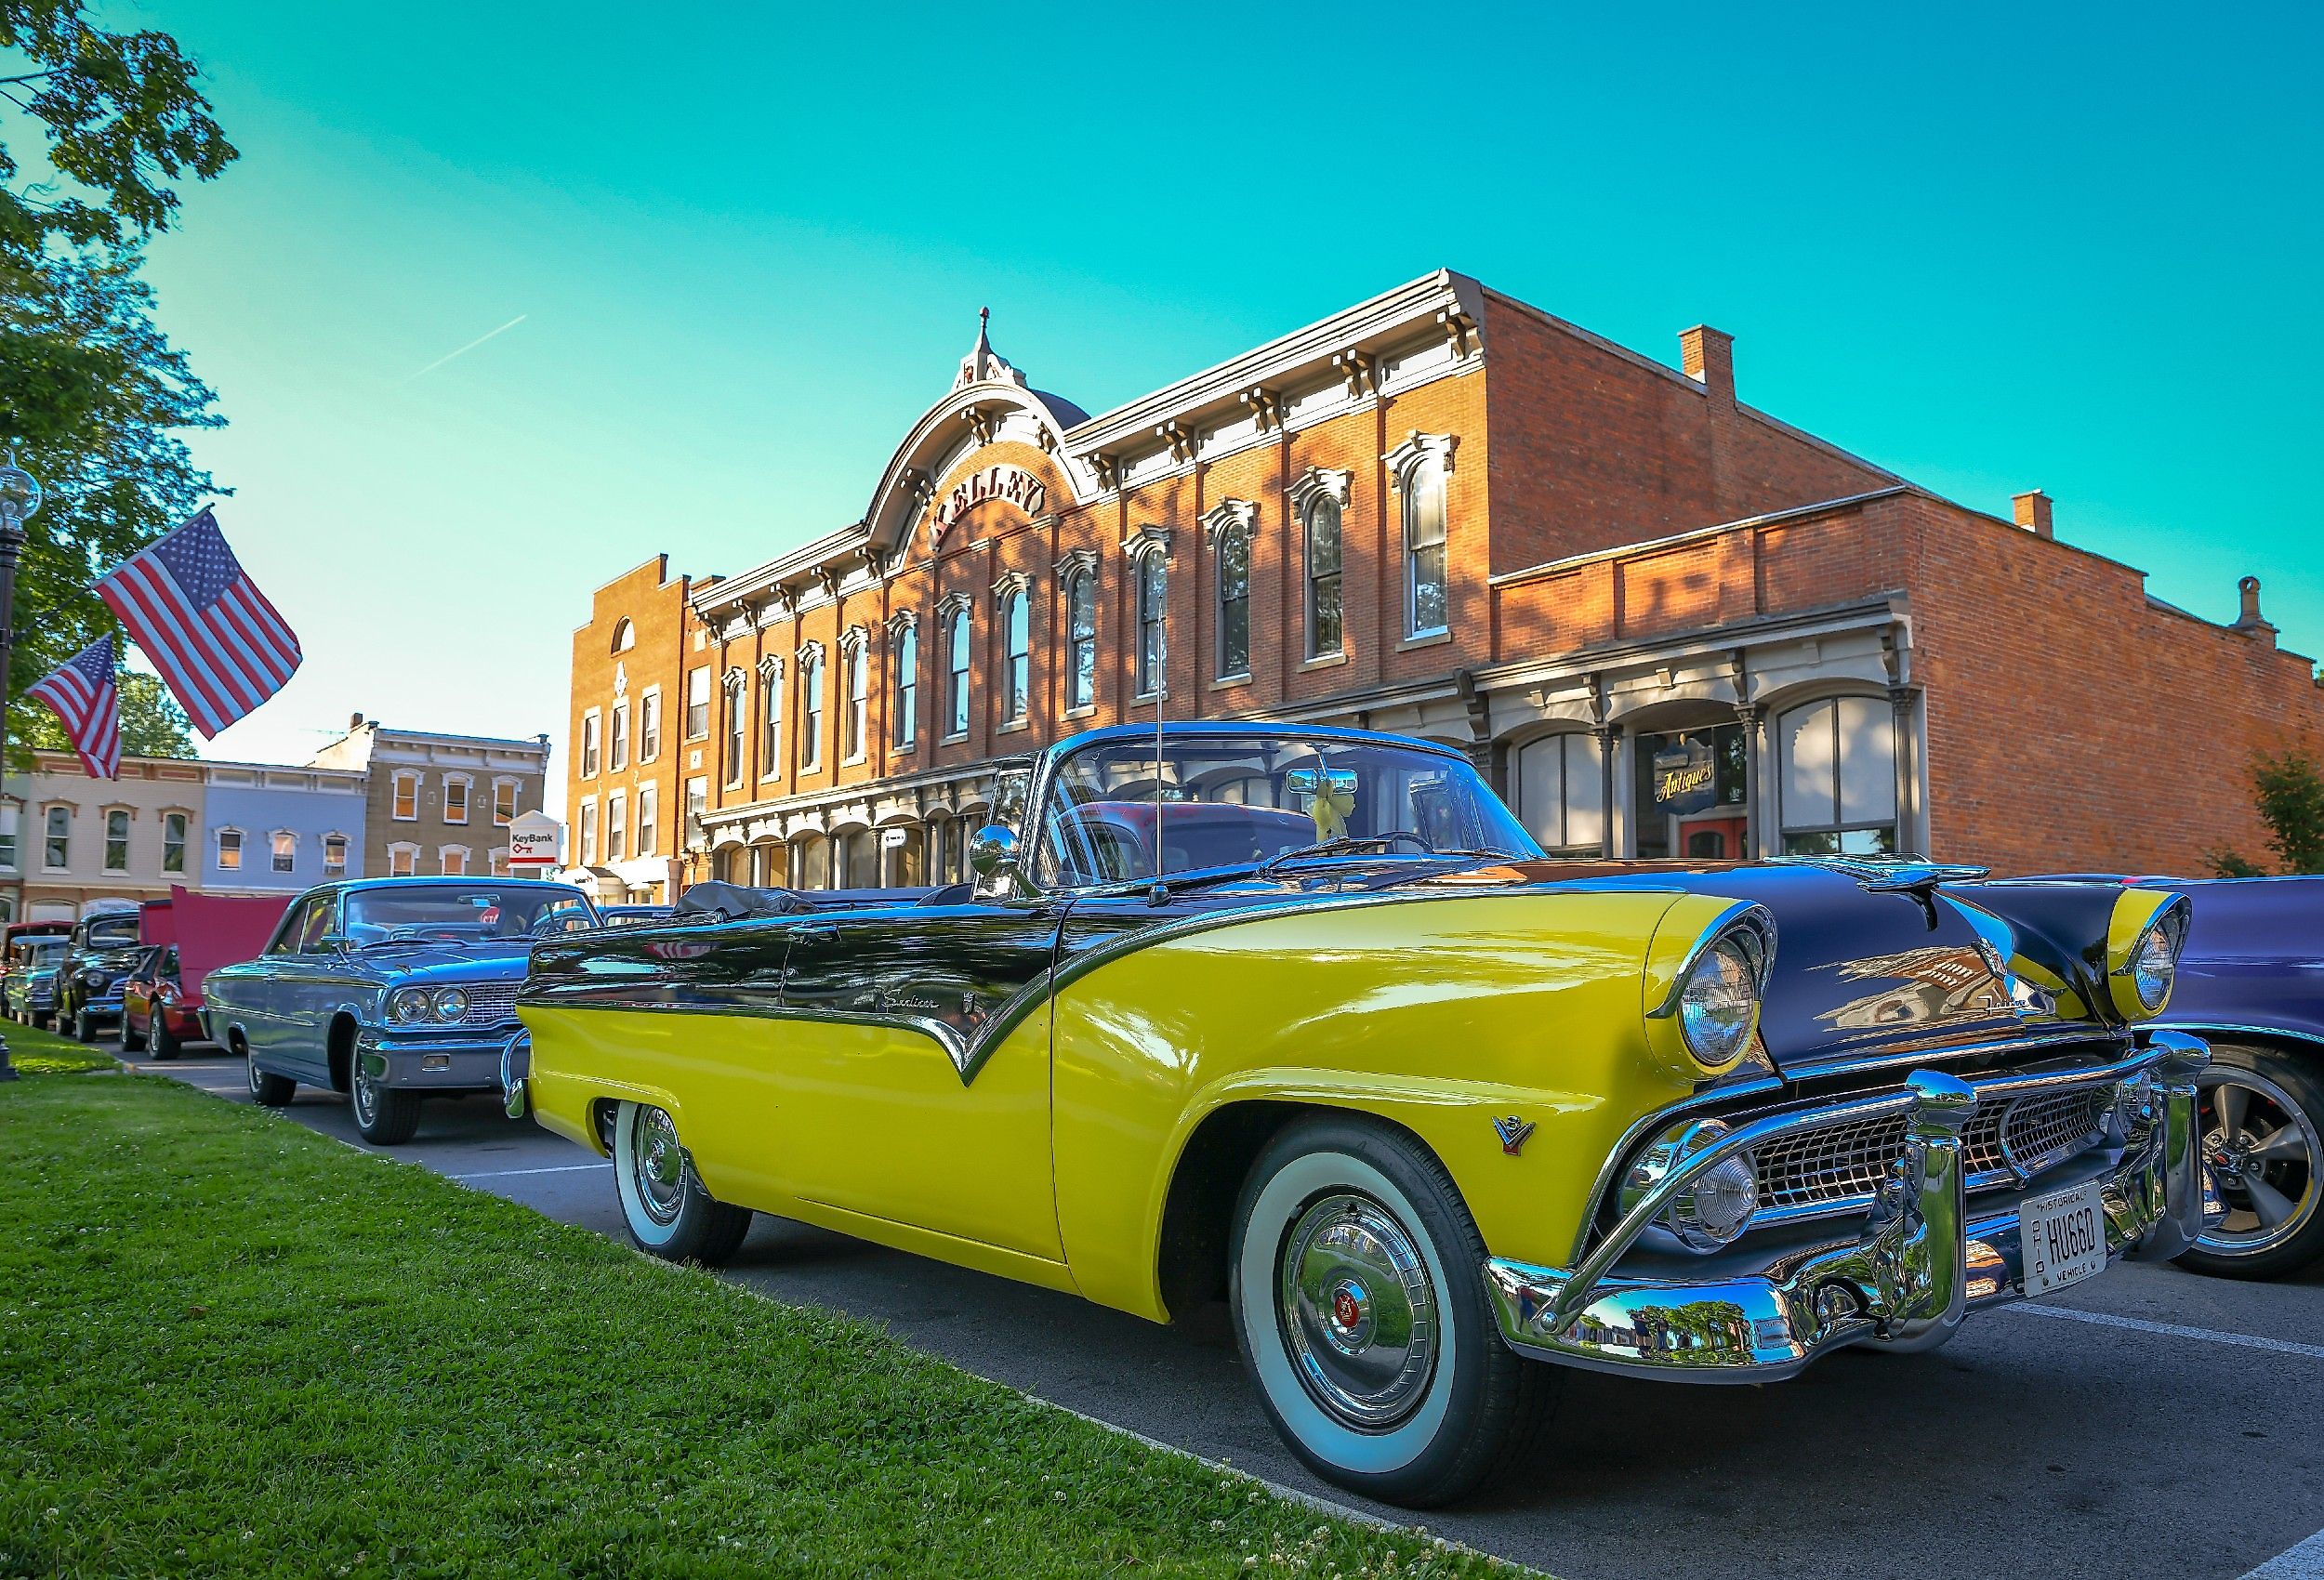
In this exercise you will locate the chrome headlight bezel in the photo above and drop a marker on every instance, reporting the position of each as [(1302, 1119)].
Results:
[(408, 1005), (1715, 1209), (2152, 967), (1717, 1000), (448, 1005)]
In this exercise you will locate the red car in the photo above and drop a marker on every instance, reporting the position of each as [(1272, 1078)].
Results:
[(155, 1009)]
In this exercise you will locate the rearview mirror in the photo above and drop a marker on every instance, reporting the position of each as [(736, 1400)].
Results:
[(992, 850)]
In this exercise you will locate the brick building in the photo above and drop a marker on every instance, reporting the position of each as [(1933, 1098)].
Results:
[(437, 803), (1663, 621), (631, 760)]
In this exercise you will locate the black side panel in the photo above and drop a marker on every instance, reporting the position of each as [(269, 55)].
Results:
[(960, 972)]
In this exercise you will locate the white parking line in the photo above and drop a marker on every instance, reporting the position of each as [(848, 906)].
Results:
[(511, 1173), (2302, 1562), (2173, 1330)]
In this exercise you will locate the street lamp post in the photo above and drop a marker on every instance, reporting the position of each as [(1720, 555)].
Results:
[(20, 496)]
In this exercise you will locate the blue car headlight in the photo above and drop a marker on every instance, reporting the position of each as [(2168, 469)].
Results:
[(407, 1005), (449, 1004)]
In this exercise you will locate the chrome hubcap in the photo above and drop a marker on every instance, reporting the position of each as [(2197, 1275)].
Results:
[(660, 1168), (1358, 1311), (367, 1093), (2261, 1150)]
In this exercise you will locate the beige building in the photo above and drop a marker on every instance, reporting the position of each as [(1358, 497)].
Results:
[(68, 840), (438, 803)]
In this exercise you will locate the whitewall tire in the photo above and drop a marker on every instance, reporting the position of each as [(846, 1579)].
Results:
[(668, 1212), (1360, 1308)]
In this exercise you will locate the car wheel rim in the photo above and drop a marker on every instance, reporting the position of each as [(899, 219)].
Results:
[(2260, 1149), (1358, 1311), (366, 1095), (658, 1167), (253, 1076)]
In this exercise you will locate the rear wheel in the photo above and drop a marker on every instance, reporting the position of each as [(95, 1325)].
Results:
[(1362, 1315), (132, 1040), (83, 1028), (270, 1091), (2259, 1112), (669, 1212), (386, 1116)]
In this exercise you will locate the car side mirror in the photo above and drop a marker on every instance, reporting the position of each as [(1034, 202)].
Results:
[(992, 850), (333, 941)]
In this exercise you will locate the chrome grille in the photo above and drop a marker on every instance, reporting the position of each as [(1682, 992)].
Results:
[(490, 1003), (2006, 1136)]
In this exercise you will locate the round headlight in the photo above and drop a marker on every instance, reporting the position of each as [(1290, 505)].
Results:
[(2154, 965), (93, 979), (1719, 1006), (450, 1004), (408, 1004)]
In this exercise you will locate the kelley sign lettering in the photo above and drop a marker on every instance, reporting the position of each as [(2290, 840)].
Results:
[(1015, 484)]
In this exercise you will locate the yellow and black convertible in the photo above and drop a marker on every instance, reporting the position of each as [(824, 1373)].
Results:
[(1300, 1020)]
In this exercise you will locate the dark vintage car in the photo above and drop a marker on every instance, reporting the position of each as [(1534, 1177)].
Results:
[(389, 990), (97, 961), (1300, 1020), (157, 1013), (2251, 981), (29, 985)]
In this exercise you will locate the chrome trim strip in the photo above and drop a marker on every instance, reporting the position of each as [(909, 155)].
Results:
[(2235, 1029)]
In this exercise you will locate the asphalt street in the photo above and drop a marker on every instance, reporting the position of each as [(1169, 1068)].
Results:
[(2169, 1429)]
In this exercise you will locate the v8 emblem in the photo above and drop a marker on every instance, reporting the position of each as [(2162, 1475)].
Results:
[(1513, 1132)]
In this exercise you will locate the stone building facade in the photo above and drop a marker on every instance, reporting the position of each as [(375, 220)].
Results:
[(436, 803), (1663, 621)]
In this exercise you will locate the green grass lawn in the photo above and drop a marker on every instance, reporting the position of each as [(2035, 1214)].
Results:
[(230, 1346), (37, 1052)]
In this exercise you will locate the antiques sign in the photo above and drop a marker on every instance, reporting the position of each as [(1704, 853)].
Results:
[(1685, 779), (1015, 484)]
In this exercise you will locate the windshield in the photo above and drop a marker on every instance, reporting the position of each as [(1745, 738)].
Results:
[(1230, 800), (113, 934), (41, 956), (461, 913)]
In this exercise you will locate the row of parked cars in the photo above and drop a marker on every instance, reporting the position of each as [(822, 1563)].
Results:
[(83, 978), (1302, 1021)]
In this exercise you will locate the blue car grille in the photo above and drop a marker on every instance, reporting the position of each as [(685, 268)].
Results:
[(490, 1004)]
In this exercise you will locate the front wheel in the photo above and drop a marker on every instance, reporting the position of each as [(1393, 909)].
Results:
[(386, 1115), (669, 1212), (165, 1041), (2258, 1110), (83, 1029), (132, 1040), (1361, 1312)]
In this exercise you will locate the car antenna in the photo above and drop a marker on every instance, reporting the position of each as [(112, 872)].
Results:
[(1161, 690)]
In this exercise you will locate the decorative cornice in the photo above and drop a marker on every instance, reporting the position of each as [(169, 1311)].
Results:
[(952, 603), (810, 654), (855, 639), (902, 619), (772, 666), (1361, 371), (1011, 582), (1417, 447), (1105, 466), (1320, 482), (1074, 560), (983, 422), (1228, 513), (1266, 407), (826, 578), (736, 678), (1461, 330), (1146, 536), (1179, 438)]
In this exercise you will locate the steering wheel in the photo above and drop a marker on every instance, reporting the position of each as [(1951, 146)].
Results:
[(435, 934)]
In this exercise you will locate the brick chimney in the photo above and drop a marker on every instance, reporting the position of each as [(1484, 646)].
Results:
[(2032, 509), (355, 721), (1708, 357), (2248, 618)]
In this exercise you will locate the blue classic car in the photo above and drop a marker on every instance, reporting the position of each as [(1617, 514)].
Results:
[(389, 990), (2252, 982)]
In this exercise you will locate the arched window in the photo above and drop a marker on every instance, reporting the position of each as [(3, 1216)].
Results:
[(1017, 661), (1153, 592), (1837, 768), (810, 708), (1326, 626), (811, 862), (858, 860), (905, 654), (1560, 793), (1424, 603), (857, 661), (1081, 640), (1233, 603), (735, 736), (625, 635), (956, 673), (769, 719)]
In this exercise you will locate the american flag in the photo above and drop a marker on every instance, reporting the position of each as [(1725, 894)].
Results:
[(83, 697), (206, 627)]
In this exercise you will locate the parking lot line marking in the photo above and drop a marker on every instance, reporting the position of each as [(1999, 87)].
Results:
[(2173, 1330), (509, 1173), (2302, 1562)]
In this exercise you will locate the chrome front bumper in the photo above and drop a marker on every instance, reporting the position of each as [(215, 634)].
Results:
[(1901, 1278), (458, 1063)]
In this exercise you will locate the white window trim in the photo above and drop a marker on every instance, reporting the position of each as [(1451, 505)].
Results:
[(274, 833), (516, 788), (395, 786), (217, 848), (1401, 462), (466, 782), (465, 855), (105, 838), (347, 848), (654, 693), (404, 847), (707, 687)]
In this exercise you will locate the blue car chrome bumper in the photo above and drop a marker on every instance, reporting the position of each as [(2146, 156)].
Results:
[(1901, 1278), (462, 1062)]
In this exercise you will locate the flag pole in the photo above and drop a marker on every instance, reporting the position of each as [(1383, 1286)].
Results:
[(20, 496)]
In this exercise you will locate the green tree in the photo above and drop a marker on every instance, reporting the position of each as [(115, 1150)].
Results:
[(152, 725), (93, 397), (2289, 793)]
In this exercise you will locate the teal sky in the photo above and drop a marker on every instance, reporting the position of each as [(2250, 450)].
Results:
[(1992, 250)]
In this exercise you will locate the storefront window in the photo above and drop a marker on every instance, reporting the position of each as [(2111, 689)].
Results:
[(1692, 792), (859, 858), (1560, 793), (1839, 777), (811, 862)]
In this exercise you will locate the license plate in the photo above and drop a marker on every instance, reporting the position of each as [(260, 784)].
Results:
[(2062, 1238)]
